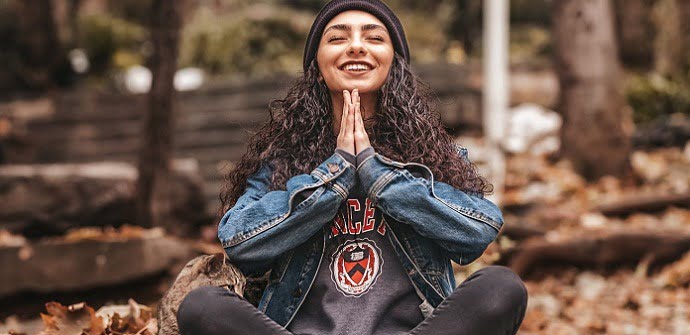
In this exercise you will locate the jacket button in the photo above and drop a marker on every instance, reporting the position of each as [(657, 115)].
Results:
[(297, 292), (333, 167)]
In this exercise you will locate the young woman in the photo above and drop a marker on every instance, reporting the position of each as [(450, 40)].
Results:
[(356, 199)]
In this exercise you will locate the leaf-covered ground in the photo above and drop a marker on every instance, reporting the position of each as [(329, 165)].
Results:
[(646, 296)]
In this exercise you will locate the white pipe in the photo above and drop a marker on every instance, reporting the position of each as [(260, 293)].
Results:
[(495, 96)]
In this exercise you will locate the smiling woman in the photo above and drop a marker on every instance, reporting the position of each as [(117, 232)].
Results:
[(355, 48), (355, 52), (357, 200)]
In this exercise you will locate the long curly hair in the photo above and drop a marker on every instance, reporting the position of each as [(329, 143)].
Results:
[(299, 134)]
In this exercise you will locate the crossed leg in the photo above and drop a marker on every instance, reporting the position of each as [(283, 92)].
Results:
[(492, 301), (217, 310)]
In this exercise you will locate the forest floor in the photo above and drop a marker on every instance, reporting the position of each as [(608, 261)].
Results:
[(609, 257), (605, 257)]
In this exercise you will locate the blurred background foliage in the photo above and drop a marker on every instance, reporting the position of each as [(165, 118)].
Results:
[(652, 96), (258, 38), (112, 42)]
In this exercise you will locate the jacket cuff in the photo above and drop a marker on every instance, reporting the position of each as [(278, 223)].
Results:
[(362, 155), (338, 172), (374, 174), (348, 156)]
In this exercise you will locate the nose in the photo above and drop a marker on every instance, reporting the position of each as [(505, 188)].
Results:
[(357, 47)]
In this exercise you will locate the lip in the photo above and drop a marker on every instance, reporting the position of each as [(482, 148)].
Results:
[(341, 66), (357, 73)]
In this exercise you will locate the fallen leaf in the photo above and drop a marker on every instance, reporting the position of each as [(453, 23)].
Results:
[(76, 319)]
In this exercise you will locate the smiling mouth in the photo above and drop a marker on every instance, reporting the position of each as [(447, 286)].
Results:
[(356, 68)]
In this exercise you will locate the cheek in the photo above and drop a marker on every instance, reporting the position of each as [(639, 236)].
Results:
[(326, 67), (387, 58), (326, 56), (386, 63)]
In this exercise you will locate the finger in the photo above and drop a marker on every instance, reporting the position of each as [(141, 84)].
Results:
[(357, 104), (348, 98), (351, 120), (359, 125), (359, 129), (360, 122), (343, 114), (347, 121), (358, 117)]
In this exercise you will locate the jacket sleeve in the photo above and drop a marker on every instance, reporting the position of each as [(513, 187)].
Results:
[(462, 224), (262, 225)]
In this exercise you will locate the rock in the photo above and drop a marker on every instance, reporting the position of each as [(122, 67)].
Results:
[(664, 131), (649, 167), (19, 326), (68, 264), (203, 270), (533, 128), (41, 200), (137, 79), (593, 220), (188, 79), (590, 285)]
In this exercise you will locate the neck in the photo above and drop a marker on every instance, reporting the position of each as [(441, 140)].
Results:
[(367, 102)]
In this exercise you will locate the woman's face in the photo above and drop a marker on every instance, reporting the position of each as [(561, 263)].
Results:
[(355, 52)]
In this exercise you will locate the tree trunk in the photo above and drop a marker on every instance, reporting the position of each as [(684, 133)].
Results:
[(668, 41), (39, 43), (635, 32), (466, 23), (597, 125), (153, 185)]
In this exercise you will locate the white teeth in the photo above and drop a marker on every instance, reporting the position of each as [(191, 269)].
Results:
[(356, 67)]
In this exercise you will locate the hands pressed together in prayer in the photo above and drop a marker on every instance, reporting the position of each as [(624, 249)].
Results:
[(352, 137)]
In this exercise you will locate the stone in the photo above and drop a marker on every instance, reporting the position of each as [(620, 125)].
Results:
[(54, 264), (203, 270), (49, 199)]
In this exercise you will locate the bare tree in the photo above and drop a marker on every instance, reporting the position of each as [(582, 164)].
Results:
[(38, 42), (634, 32), (466, 23), (669, 51), (597, 124), (155, 156)]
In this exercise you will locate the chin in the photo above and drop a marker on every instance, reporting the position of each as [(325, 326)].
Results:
[(363, 88)]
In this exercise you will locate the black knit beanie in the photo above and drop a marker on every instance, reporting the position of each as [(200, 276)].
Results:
[(373, 7)]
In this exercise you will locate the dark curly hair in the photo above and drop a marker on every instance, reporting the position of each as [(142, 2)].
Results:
[(299, 134)]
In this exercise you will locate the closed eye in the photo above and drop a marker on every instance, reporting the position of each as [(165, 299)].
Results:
[(335, 38)]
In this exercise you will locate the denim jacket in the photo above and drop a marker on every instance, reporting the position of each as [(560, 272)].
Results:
[(430, 223)]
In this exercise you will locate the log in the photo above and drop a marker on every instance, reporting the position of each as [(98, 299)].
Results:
[(44, 200), (643, 203), (521, 231), (597, 251)]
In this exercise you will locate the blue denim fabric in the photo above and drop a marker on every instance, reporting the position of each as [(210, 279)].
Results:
[(430, 223)]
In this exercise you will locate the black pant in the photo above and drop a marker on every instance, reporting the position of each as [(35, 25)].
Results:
[(490, 301)]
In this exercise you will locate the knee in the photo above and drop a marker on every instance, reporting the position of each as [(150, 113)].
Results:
[(509, 293), (191, 309)]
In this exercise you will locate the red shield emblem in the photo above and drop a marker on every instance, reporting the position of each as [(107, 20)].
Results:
[(356, 266)]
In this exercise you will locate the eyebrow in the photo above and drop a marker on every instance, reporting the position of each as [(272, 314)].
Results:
[(348, 27)]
